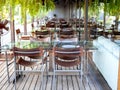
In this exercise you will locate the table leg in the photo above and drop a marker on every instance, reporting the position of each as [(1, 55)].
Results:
[(7, 67), (50, 60)]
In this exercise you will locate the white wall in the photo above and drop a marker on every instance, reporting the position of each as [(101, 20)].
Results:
[(64, 12), (59, 11), (106, 58)]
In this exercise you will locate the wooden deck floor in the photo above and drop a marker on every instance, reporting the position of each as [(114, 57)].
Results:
[(68, 82)]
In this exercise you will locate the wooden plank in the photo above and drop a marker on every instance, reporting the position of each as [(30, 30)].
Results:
[(86, 84), (44, 83), (38, 84), (33, 83), (3, 69), (70, 84), (28, 83), (59, 84), (91, 83), (80, 83), (90, 79), (94, 74), (4, 74), (2, 66), (55, 84), (64, 81), (49, 83), (22, 82), (11, 85), (75, 83), (4, 79)]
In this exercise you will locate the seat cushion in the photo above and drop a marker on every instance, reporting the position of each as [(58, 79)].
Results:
[(26, 63), (67, 63)]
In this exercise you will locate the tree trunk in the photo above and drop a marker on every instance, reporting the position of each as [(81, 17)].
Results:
[(12, 27), (86, 20), (25, 24), (116, 22), (104, 22)]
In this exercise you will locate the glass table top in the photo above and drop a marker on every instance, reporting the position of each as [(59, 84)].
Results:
[(48, 45)]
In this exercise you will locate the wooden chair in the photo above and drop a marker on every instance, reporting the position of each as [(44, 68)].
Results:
[(42, 27), (62, 21), (65, 25), (67, 57), (50, 24), (43, 35), (28, 58), (116, 35), (20, 36), (67, 34)]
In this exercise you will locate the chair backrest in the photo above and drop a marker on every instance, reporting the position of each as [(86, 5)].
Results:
[(66, 33), (43, 27), (66, 25), (21, 36), (18, 31), (50, 24), (32, 53), (68, 56), (62, 21), (42, 34)]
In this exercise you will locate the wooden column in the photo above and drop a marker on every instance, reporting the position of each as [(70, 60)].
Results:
[(104, 20), (116, 22), (86, 20), (12, 27), (25, 24), (69, 10), (79, 21), (51, 57), (85, 71)]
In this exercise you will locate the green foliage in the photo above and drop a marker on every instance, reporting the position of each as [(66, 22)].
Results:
[(94, 9), (114, 7), (32, 7), (49, 5), (111, 7), (2, 9)]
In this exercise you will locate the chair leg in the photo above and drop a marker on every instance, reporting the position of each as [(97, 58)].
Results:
[(7, 67), (81, 74), (42, 75), (47, 70), (54, 81), (46, 66), (42, 81), (15, 75), (82, 68)]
